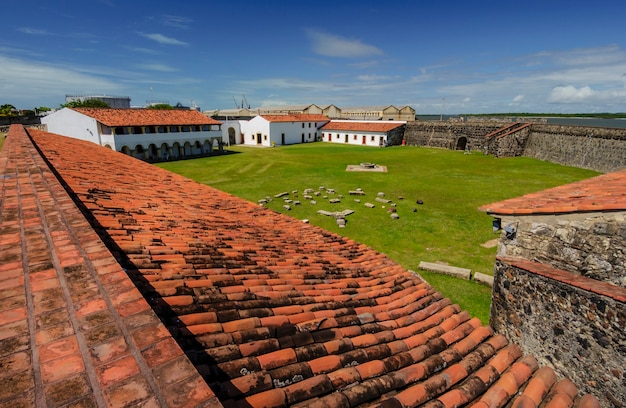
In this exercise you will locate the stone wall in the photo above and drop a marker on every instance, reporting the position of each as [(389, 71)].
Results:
[(581, 333), (600, 149), (395, 136), (592, 245), (446, 134)]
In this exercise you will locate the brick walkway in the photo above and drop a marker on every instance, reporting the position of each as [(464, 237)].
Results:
[(74, 330)]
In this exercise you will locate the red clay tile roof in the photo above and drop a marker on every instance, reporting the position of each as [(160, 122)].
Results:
[(296, 117), (602, 193), (356, 126), (271, 312), (147, 117)]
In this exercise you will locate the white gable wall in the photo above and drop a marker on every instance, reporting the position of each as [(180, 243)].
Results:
[(355, 137), (256, 132), (68, 122)]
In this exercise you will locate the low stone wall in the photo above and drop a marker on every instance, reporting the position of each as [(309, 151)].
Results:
[(578, 332), (592, 245)]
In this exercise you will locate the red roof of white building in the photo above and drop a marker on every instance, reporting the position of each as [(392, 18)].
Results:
[(357, 126), (147, 117)]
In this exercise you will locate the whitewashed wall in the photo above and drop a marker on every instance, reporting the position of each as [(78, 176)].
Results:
[(68, 122)]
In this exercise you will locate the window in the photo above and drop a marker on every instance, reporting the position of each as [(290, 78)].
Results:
[(264, 137), (162, 129), (150, 129), (206, 128), (309, 124), (174, 129), (354, 138), (302, 125), (137, 130), (338, 136), (106, 130), (185, 128), (373, 138)]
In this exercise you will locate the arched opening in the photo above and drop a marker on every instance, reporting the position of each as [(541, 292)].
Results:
[(207, 148), (197, 148), (165, 151), (108, 146), (153, 153), (126, 150), (176, 150), (139, 152), (231, 136), (187, 149), (461, 143)]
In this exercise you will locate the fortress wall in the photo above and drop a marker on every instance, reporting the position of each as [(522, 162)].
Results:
[(446, 134), (600, 149), (577, 331)]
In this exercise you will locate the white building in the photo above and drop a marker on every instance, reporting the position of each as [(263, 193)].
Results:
[(147, 134), (367, 133), (275, 130)]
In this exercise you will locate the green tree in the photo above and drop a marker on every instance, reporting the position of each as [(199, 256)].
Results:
[(8, 110), (87, 103), (162, 106)]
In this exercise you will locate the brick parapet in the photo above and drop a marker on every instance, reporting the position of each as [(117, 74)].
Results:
[(73, 327)]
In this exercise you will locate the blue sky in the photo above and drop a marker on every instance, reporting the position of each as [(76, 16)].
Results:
[(436, 56)]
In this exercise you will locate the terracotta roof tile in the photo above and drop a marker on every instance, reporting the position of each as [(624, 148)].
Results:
[(357, 126), (147, 117), (606, 192), (271, 312)]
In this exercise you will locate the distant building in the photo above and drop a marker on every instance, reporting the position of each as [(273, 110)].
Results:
[(117, 102), (142, 133), (368, 133), (388, 112)]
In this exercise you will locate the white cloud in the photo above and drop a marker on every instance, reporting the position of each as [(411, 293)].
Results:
[(161, 39), (176, 21), (157, 67), (331, 45), (30, 80), (518, 98), (33, 31), (372, 78), (569, 94)]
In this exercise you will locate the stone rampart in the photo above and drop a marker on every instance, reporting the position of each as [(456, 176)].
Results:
[(449, 135), (600, 149), (580, 333)]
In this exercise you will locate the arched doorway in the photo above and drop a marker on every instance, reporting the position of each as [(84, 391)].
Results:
[(126, 150), (231, 136), (461, 143)]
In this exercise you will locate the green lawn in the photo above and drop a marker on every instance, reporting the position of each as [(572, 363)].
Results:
[(446, 228)]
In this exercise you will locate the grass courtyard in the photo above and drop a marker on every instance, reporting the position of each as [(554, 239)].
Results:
[(447, 228)]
